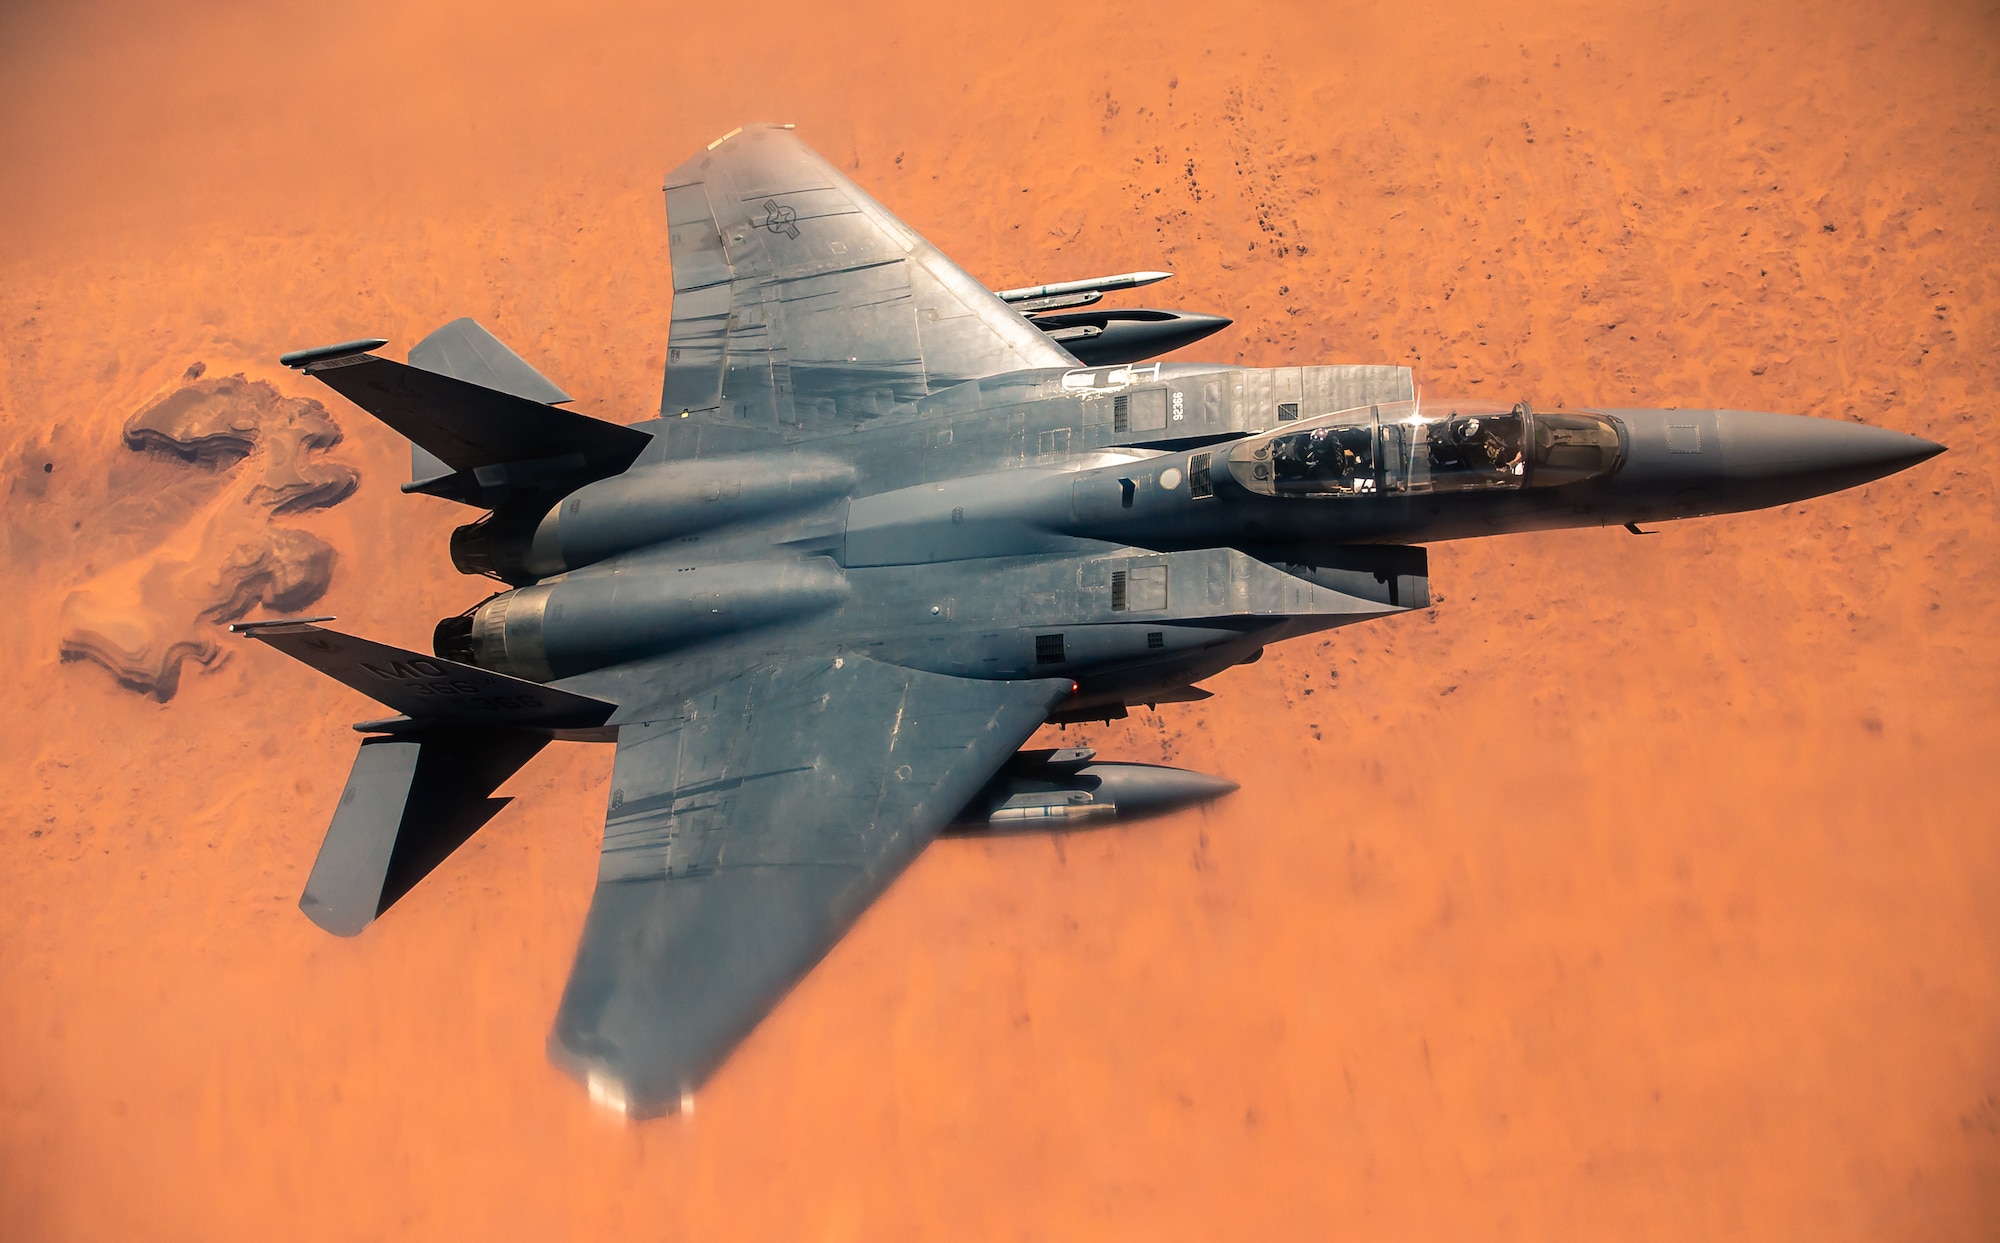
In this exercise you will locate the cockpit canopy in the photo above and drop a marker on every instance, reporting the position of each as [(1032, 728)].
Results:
[(1429, 447)]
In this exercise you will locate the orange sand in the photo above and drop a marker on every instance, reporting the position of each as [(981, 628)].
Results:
[(1643, 889)]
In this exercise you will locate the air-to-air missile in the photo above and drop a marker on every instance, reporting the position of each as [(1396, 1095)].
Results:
[(1113, 334), (1032, 298), (885, 527)]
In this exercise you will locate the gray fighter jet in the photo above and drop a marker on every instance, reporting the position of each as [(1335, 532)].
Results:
[(887, 524)]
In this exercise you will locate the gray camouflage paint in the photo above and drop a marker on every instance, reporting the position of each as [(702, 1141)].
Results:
[(884, 528)]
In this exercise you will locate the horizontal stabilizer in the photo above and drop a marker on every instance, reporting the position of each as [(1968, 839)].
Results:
[(410, 802), (495, 437), (429, 689)]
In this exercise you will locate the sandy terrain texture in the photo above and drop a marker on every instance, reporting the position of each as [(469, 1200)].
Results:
[(1641, 888)]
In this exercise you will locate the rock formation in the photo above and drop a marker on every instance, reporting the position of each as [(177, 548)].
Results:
[(144, 618)]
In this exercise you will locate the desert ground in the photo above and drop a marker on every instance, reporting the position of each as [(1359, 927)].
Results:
[(1641, 888)]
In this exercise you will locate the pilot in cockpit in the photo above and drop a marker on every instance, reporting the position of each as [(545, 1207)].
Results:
[(1475, 444), (1333, 456), (1321, 459)]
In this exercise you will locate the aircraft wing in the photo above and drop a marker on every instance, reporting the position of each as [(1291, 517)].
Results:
[(801, 305), (751, 822)]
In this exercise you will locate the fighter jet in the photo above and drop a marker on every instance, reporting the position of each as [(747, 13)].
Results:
[(887, 524)]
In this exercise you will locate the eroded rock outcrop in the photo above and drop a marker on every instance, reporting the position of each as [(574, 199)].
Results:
[(146, 617)]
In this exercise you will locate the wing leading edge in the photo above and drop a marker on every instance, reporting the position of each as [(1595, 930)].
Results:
[(749, 826), (801, 304)]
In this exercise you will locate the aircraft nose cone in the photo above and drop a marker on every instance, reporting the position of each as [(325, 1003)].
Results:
[(1770, 447), (1687, 462)]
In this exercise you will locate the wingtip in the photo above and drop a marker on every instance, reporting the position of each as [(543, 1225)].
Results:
[(608, 1091), (753, 125), (300, 359)]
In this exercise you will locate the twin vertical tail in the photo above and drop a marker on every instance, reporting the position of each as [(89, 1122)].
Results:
[(485, 430), (410, 801), (422, 786)]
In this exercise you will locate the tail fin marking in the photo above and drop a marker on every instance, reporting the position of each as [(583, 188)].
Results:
[(430, 690)]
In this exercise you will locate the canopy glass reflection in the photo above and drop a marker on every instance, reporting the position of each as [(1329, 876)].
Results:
[(1431, 447)]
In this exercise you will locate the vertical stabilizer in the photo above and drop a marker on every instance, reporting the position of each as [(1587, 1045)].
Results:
[(410, 801), (465, 351)]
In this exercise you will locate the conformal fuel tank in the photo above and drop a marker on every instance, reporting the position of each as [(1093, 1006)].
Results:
[(560, 629)]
